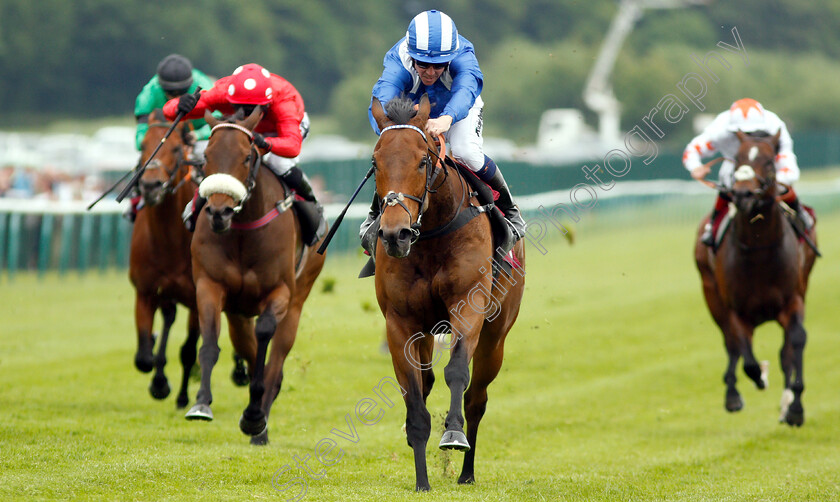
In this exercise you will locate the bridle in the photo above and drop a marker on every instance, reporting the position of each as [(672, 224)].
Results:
[(253, 160), (169, 186), (432, 171)]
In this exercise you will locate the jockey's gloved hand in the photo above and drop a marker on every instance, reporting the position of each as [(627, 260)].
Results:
[(260, 141), (186, 103)]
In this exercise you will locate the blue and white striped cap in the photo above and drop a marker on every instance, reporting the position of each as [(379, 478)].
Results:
[(432, 37)]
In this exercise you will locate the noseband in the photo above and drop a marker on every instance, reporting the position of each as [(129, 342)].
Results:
[(396, 198), (169, 186), (215, 183)]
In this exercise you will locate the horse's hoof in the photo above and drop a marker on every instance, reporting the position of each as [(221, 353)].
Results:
[(159, 388), (454, 440), (734, 403), (466, 480), (252, 425), (144, 363), (260, 439), (422, 488), (239, 375), (795, 415), (182, 402), (200, 412)]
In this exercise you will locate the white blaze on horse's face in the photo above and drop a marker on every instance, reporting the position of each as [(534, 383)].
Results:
[(753, 153), (744, 173)]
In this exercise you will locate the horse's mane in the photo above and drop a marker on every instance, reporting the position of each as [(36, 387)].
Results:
[(400, 109)]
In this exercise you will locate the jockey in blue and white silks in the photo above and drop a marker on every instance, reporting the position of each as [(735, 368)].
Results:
[(434, 59)]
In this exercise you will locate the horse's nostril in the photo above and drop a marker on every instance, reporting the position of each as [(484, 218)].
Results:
[(227, 212), (405, 234)]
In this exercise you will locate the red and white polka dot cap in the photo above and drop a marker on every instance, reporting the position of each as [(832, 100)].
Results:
[(250, 85)]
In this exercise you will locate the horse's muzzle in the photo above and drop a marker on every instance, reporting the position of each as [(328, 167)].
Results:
[(151, 191), (220, 218), (397, 242)]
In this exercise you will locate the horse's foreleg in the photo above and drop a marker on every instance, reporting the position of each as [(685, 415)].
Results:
[(210, 298), (159, 388), (254, 420), (487, 362), (409, 364), (791, 356), (465, 333), (733, 350), (188, 355), (144, 315)]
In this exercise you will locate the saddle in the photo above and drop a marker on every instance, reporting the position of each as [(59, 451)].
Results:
[(721, 225)]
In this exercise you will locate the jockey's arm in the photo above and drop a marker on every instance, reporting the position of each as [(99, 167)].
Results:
[(787, 168)]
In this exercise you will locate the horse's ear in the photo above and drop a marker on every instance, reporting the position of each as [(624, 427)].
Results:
[(424, 108), (254, 118), (210, 119), (378, 113), (775, 139), (741, 135)]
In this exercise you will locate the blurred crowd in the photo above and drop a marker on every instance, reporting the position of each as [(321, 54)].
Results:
[(49, 184)]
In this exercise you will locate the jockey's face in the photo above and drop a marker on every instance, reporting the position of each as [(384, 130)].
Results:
[(429, 72)]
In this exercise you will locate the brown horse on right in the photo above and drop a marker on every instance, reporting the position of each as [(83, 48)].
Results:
[(435, 276), (759, 273)]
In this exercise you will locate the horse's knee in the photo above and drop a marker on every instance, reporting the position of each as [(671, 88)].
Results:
[(266, 325), (798, 337), (418, 427), (208, 354)]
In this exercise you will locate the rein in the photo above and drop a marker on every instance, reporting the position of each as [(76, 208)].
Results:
[(462, 215), (396, 198), (254, 161), (169, 186)]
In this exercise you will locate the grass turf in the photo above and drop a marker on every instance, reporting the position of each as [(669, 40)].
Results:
[(611, 390)]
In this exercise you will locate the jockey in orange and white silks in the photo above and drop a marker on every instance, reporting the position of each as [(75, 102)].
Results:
[(746, 115), (749, 116)]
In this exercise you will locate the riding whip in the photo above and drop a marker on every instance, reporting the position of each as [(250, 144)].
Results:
[(341, 216), (138, 173), (106, 192)]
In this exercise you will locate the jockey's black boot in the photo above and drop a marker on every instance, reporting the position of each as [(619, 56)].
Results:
[(505, 203), (299, 182), (801, 219), (369, 231)]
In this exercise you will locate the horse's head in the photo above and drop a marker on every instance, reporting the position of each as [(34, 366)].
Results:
[(232, 162), (754, 185), (404, 171), (163, 173)]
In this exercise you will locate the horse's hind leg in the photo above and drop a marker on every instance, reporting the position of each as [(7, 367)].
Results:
[(159, 388), (239, 375), (733, 350), (144, 314), (791, 357), (281, 345), (487, 361), (188, 355)]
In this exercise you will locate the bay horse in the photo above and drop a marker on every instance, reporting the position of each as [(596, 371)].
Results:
[(159, 260), (758, 274), (430, 281), (248, 260)]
